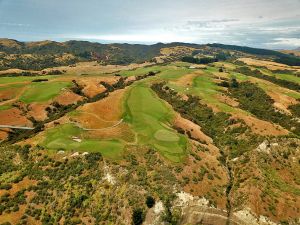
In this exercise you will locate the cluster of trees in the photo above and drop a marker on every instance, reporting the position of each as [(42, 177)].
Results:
[(295, 109), (233, 83), (253, 99), (39, 80), (204, 60), (279, 57), (37, 62), (23, 73), (55, 72), (258, 74)]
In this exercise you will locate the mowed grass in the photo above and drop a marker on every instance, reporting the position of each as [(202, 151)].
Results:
[(282, 76), (166, 72), (60, 138), (204, 87), (5, 107), (288, 77), (7, 80), (141, 71), (173, 73), (42, 92), (270, 87), (150, 119)]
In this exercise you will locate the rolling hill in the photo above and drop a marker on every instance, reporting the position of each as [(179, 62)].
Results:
[(148, 134)]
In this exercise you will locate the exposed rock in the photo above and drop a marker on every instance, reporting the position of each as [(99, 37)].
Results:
[(264, 147), (75, 154), (247, 218)]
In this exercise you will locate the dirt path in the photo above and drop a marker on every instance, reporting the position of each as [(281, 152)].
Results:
[(100, 129)]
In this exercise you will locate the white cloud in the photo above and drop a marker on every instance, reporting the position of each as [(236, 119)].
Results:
[(285, 42), (140, 38), (15, 24)]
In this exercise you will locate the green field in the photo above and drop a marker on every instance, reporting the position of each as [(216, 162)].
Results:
[(150, 118), (11, 86), (141, 71), (271, 87), (7, 80), (166, 72), (174, 73), (5, 107), (60, 138), (282, 76), (288, 77), (41, 92), (204, 87)]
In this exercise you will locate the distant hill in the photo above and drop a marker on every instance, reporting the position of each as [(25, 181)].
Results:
[(295, 52), (279, 57), (45, 54)]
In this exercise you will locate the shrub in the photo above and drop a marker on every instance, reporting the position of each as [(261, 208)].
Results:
[(150, 201), (138, 216)]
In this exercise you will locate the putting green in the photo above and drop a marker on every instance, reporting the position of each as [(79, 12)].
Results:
[(165, 135), (62, 137)]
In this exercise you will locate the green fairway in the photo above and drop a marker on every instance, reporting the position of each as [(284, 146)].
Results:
[(174, 73), (150, 118), (288, 77), (61, 138), (166, 72), (41, 92), (141, 71), (11, 86), (5, 107), (6, 80), (204, 87)]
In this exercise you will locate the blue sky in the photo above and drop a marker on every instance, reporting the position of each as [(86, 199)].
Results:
[(259, 23)]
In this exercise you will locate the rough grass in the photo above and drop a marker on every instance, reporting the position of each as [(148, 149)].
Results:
[(42, 92), (150, 118), (273, 177), (60, 138)]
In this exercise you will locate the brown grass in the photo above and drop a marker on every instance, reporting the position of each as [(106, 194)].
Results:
[(270, 65), (67, 98)]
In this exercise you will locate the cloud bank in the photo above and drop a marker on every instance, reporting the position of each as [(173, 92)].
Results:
[(257, 23)]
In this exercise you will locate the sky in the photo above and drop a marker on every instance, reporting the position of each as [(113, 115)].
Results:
[(273, 24)]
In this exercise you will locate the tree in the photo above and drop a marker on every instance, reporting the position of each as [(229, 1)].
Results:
[(137, 216), (234, 83), (150, 201)]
